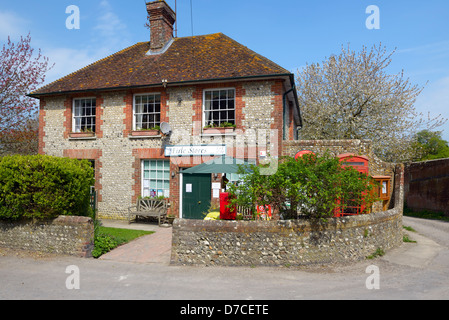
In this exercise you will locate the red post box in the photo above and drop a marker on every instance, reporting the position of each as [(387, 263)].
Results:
[(226, 213), (303, 152)]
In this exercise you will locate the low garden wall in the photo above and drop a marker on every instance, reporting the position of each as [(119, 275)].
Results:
[(289, 242), (67, 235), (281, 243)]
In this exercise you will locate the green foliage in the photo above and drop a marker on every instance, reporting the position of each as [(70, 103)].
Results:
[(103, 244), (160, 198), (221, 125), (44, 187), (430, 146), (309, 186), (378, 253), (425, 214)]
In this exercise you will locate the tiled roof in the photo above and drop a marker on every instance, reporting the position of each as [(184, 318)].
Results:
[(208, 57)]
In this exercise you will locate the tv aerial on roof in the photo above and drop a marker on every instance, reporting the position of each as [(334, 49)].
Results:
[(165, 128)]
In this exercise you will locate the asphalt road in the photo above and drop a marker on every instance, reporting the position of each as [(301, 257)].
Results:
[(414, 271)]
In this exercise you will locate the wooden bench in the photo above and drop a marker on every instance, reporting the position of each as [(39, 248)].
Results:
[(149, 208)]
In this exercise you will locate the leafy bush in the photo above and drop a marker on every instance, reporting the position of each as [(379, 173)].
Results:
[(44, 187), (310, 185), (103, 244)]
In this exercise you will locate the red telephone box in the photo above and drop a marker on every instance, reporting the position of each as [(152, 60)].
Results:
[(226, 213), (361, 164)]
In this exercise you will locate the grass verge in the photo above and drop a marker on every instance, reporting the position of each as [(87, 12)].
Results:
[(107, 238), (425, 214)]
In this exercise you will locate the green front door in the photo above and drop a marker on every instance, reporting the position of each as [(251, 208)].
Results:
[(196, 194)]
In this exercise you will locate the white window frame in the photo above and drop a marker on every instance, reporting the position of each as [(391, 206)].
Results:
[(134, 106), (143, 184), (74, 128), (204, 104)]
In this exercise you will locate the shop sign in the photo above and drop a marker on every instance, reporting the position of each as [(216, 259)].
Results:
[(198, 150)]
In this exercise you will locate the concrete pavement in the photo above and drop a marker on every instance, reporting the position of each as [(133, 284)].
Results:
[(417, 255), (415, 271)]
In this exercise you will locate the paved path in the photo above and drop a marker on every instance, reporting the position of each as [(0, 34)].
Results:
[(153, 248)]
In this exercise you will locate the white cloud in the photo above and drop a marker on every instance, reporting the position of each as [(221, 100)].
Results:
[(108, 23), (12, 25), (110, 30)]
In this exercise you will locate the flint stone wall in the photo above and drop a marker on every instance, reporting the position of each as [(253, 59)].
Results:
[(282, 243), (289, 242), (65, 235)]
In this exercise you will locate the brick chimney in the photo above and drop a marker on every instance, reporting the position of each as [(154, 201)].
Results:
[(161, 18)]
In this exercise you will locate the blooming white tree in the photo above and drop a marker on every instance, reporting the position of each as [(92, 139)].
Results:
[(351, 96)]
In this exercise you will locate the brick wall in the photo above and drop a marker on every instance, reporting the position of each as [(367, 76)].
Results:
[(427, 186), (161, 18)]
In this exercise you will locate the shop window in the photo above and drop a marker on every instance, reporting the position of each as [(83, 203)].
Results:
[(156, 178)]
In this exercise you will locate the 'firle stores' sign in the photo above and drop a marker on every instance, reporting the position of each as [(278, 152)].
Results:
[(198, 150)]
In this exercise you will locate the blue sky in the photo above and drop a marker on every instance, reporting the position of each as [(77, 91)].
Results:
[(292, 33)]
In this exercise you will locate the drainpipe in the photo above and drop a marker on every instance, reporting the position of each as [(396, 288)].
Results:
[(284, 98), (284, 103)]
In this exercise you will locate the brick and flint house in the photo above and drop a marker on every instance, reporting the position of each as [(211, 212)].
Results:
[(105, 113)]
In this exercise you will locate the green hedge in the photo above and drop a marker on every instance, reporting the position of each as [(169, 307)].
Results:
[(44, 187)]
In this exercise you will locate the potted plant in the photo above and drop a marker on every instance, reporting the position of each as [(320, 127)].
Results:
[(154, 131), (222, 128), (84, 133)]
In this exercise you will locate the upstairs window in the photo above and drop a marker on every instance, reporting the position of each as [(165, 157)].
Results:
[(84, 112), (147, 111), (219, 107)]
